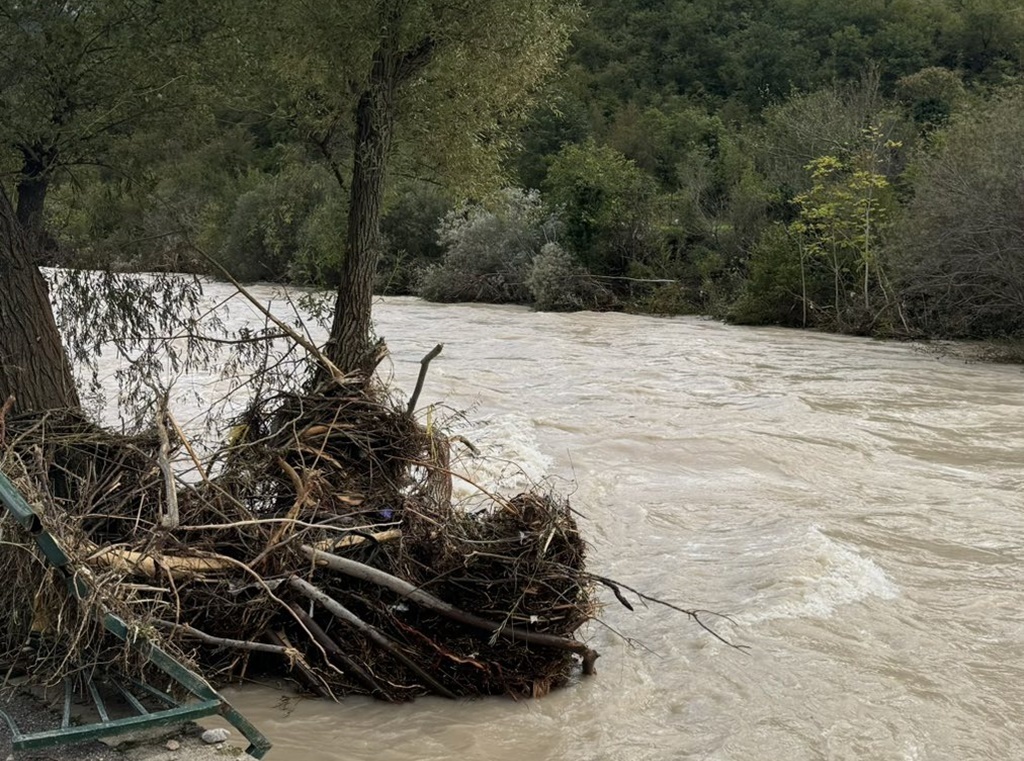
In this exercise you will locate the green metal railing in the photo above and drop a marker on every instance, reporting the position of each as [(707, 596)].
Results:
[(209, 701)]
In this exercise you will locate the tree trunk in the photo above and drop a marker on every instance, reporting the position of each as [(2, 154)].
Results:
[(32, 187), (350, 346), (33, 364), (31, 198)]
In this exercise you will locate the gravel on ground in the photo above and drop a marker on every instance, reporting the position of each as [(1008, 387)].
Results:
[(32, 714)]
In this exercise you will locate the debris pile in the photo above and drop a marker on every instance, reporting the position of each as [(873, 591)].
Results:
[(322, 543)]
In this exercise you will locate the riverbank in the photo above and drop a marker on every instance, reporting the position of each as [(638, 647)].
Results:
[(175, 743)]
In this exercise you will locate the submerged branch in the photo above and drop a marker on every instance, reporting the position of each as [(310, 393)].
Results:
[(424, 364), (427, 600), (372, 633), (693, 613)]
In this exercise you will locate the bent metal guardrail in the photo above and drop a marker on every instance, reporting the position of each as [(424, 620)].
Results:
[(208, 701)]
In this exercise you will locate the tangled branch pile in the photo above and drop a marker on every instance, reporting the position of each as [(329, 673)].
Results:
[(323, 543)]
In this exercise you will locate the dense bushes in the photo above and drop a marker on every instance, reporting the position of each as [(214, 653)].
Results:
[(558, 283), (607, 206), (775, 291), (489, 249), (288, 226), (264, 216), (960, 250), (410, 236)]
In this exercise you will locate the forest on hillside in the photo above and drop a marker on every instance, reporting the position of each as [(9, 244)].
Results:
[(845, 166)]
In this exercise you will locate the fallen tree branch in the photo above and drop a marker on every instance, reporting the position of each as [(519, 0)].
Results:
[(236, 644), (131, 561), (334, 651), (280, 639), (284, 529), (353, 540), (466, 443), (633, 279), (424, 364), (374, 635), (693, 613), (400, 586)]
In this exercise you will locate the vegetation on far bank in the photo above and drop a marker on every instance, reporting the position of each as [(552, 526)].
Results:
[(848, 167)]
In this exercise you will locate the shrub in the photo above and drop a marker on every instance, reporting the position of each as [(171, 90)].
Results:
[(960, 246), (931, 95), (772, 293), (410, 238), (608, 206), (320, 244), (558, 284), (289, 225), (489, 250), (664, 299)]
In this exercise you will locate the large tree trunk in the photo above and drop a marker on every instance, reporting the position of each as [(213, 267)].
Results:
[(31, 199), (33, 364), (350, 346), (32, 187)]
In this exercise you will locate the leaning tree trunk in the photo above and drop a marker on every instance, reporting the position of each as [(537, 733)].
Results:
[(350, 346), (34, 367)]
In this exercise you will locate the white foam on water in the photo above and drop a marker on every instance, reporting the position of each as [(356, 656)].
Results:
[(816, 575), (511, 459)]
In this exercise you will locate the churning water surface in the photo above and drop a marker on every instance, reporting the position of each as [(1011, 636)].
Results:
[(855, 506)]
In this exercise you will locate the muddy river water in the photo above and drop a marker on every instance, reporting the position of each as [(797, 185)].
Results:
[(855, 506)]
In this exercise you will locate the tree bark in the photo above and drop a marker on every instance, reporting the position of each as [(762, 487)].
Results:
[(32, 188), (350, 346), (33, 364)]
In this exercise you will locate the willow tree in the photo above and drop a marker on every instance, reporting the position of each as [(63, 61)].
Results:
[(34, 368), (76, 78), (436, 85)]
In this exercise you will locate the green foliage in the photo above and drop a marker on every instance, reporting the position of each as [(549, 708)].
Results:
[(489, 249), (166, 197), (983, 37), (841, 221), (829, 122), (776, 290), (606, 204), (757, 54), (76, 78), (410, 237), (931, 95), (457, 103), (288, 224), (664, 299), (558, 284), (660, 139), (960, 243), (560, 118)]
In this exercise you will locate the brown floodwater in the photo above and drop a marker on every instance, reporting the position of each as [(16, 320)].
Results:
[(854, 506)]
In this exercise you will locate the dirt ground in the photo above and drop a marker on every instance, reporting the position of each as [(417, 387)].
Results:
[(31, 714)]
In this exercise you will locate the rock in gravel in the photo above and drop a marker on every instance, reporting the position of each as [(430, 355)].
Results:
[(172, 745), (214, 736)]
